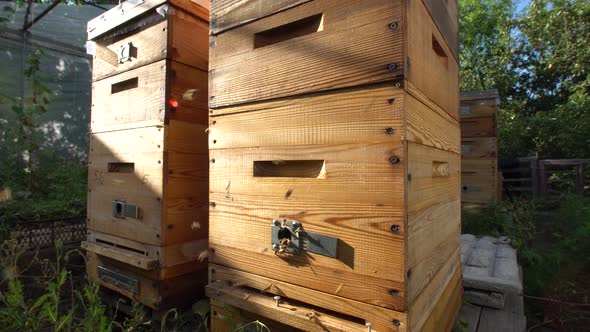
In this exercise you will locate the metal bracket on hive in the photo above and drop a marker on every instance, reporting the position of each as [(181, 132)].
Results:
[(289, 238), (122, 210)]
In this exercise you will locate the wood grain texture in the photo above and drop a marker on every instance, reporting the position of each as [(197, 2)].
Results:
[(381, 318), (430, 66), (434, 217), (351, 116), (147, 99), (431, 127), (425, 306), (295, 314), (357, 202), (168, 183), (446, 16), (478, 108), (228, 318), (446, 310), (335, 57), (126, 256), (156, 294), (228, 14), (479, 148), (173, 37)]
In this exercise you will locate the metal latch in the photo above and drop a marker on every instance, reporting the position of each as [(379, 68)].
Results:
[(119, 279), (288, 237), (122, 210), (126, 52)]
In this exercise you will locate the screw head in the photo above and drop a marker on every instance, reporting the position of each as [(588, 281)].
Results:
[(394, 159), (393, 25), (396, 322), (392, 66), (395, 228), (389, 131)]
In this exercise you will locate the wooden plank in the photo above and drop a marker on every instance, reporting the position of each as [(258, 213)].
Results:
[(335, 57), (166, 39), (380, 318), (447, 307), (430, 65), (351, 116), (227, 318), (228, 14), (479, 95), (143, 94), (478, 108), (425, 313), (479, 148), (446, 16), (129, 257), (295, 314), (431, 126), (478, 127), (469, 314), (500, 320), (358, 200)]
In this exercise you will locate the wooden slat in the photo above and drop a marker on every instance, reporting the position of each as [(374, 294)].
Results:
[(381, 318), (228, 14), (358, 201), (305, 318), (469, 314), (351, 116), (430, 66), (125, 256), (353, 48), (446, 17), (478, 108)]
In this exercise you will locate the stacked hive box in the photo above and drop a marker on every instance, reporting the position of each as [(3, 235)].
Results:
[(480, 181), (335, 163), (148, 163)]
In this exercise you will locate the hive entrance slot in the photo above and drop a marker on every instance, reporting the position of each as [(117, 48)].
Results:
[(290, 168), (115, 245), (121, 167), (288, 31), (129, 84)]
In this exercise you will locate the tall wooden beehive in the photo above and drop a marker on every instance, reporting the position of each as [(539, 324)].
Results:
[(480, 181), (148, 160), (334, 149)]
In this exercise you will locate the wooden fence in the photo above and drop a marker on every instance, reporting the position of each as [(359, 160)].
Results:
[(534, 176)]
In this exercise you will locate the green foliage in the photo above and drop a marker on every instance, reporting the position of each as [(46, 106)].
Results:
[(539, 61)]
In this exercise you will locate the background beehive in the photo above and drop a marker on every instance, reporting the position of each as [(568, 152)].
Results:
[(342, 116), (480, 180), (148, 149)]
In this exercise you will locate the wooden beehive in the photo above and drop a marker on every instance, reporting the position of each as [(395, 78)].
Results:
[(335, 163), (148, 158), (480, 180)]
